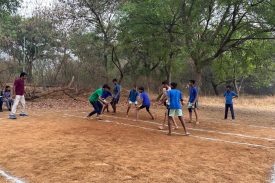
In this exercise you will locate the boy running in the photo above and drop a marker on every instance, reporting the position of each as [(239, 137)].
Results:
[(132, 99), (229, 95), (176, 102), (19, 91), (116, 95), (96, 100), (145, 102), (163, 100), (193, 101)]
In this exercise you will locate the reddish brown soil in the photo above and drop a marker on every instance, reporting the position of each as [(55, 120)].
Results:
[(56, 144)]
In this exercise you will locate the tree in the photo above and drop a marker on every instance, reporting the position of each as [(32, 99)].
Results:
[(8, 6), (213, 27), (153, 30), (100, 16), (239, 66)]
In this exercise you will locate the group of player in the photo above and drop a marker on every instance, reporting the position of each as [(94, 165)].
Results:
[(171, 98)]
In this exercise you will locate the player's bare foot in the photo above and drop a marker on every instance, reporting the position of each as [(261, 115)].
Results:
[(169, 134), (161, 128), (99, 118), (197, 122), (176, 127), (186, 134)]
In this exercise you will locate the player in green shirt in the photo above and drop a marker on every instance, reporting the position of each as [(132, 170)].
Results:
[(96, 100)]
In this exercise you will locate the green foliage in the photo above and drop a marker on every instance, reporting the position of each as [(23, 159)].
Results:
[(254, 62)]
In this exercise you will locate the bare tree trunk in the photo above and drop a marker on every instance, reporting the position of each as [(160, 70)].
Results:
[(215, 88), (29, 70), (116, 62), (199, 78), (106, 65)]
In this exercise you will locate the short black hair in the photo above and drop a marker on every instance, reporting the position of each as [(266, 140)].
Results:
[(228, 86), (7, 86), (192, 81), (115, 80), (165, 82), (106, 86), (141, 88), (174, 85), (23, 74)]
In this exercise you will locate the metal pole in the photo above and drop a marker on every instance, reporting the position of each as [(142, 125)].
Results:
[(24, 55)]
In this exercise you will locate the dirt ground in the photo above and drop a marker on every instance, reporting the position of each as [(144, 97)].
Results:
[(56, 144)]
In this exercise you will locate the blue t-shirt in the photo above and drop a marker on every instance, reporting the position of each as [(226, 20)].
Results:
[(117, 91), (229, 97), (193, 92), (174, 97), (7, 94), (105, 94), (133, 95), (145, 99)]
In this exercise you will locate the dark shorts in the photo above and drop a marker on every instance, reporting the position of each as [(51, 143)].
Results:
[(97, 106), (196, 106), (115, 101), (145, 106)]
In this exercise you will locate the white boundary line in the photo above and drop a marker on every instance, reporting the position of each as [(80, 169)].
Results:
[(238, 124), (222, 123), (204, 138), (196, 136), (10, 177), (203, 130), (273, 174)]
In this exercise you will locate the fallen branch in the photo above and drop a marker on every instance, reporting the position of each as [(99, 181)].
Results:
[(33, 95)]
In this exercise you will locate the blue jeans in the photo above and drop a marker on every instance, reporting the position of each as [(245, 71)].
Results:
[(1, 103), (97, 108), (8, 103), (229, 106)]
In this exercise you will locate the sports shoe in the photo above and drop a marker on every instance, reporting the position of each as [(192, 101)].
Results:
[(12, 116), (23, 115)]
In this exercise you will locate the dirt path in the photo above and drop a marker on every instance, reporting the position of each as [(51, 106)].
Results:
[(60, 146)]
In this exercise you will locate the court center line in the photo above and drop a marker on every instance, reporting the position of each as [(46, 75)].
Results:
[(203, 130), (196, 136), (201, 137), (194, 129), (225, 123), (10, 177)]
